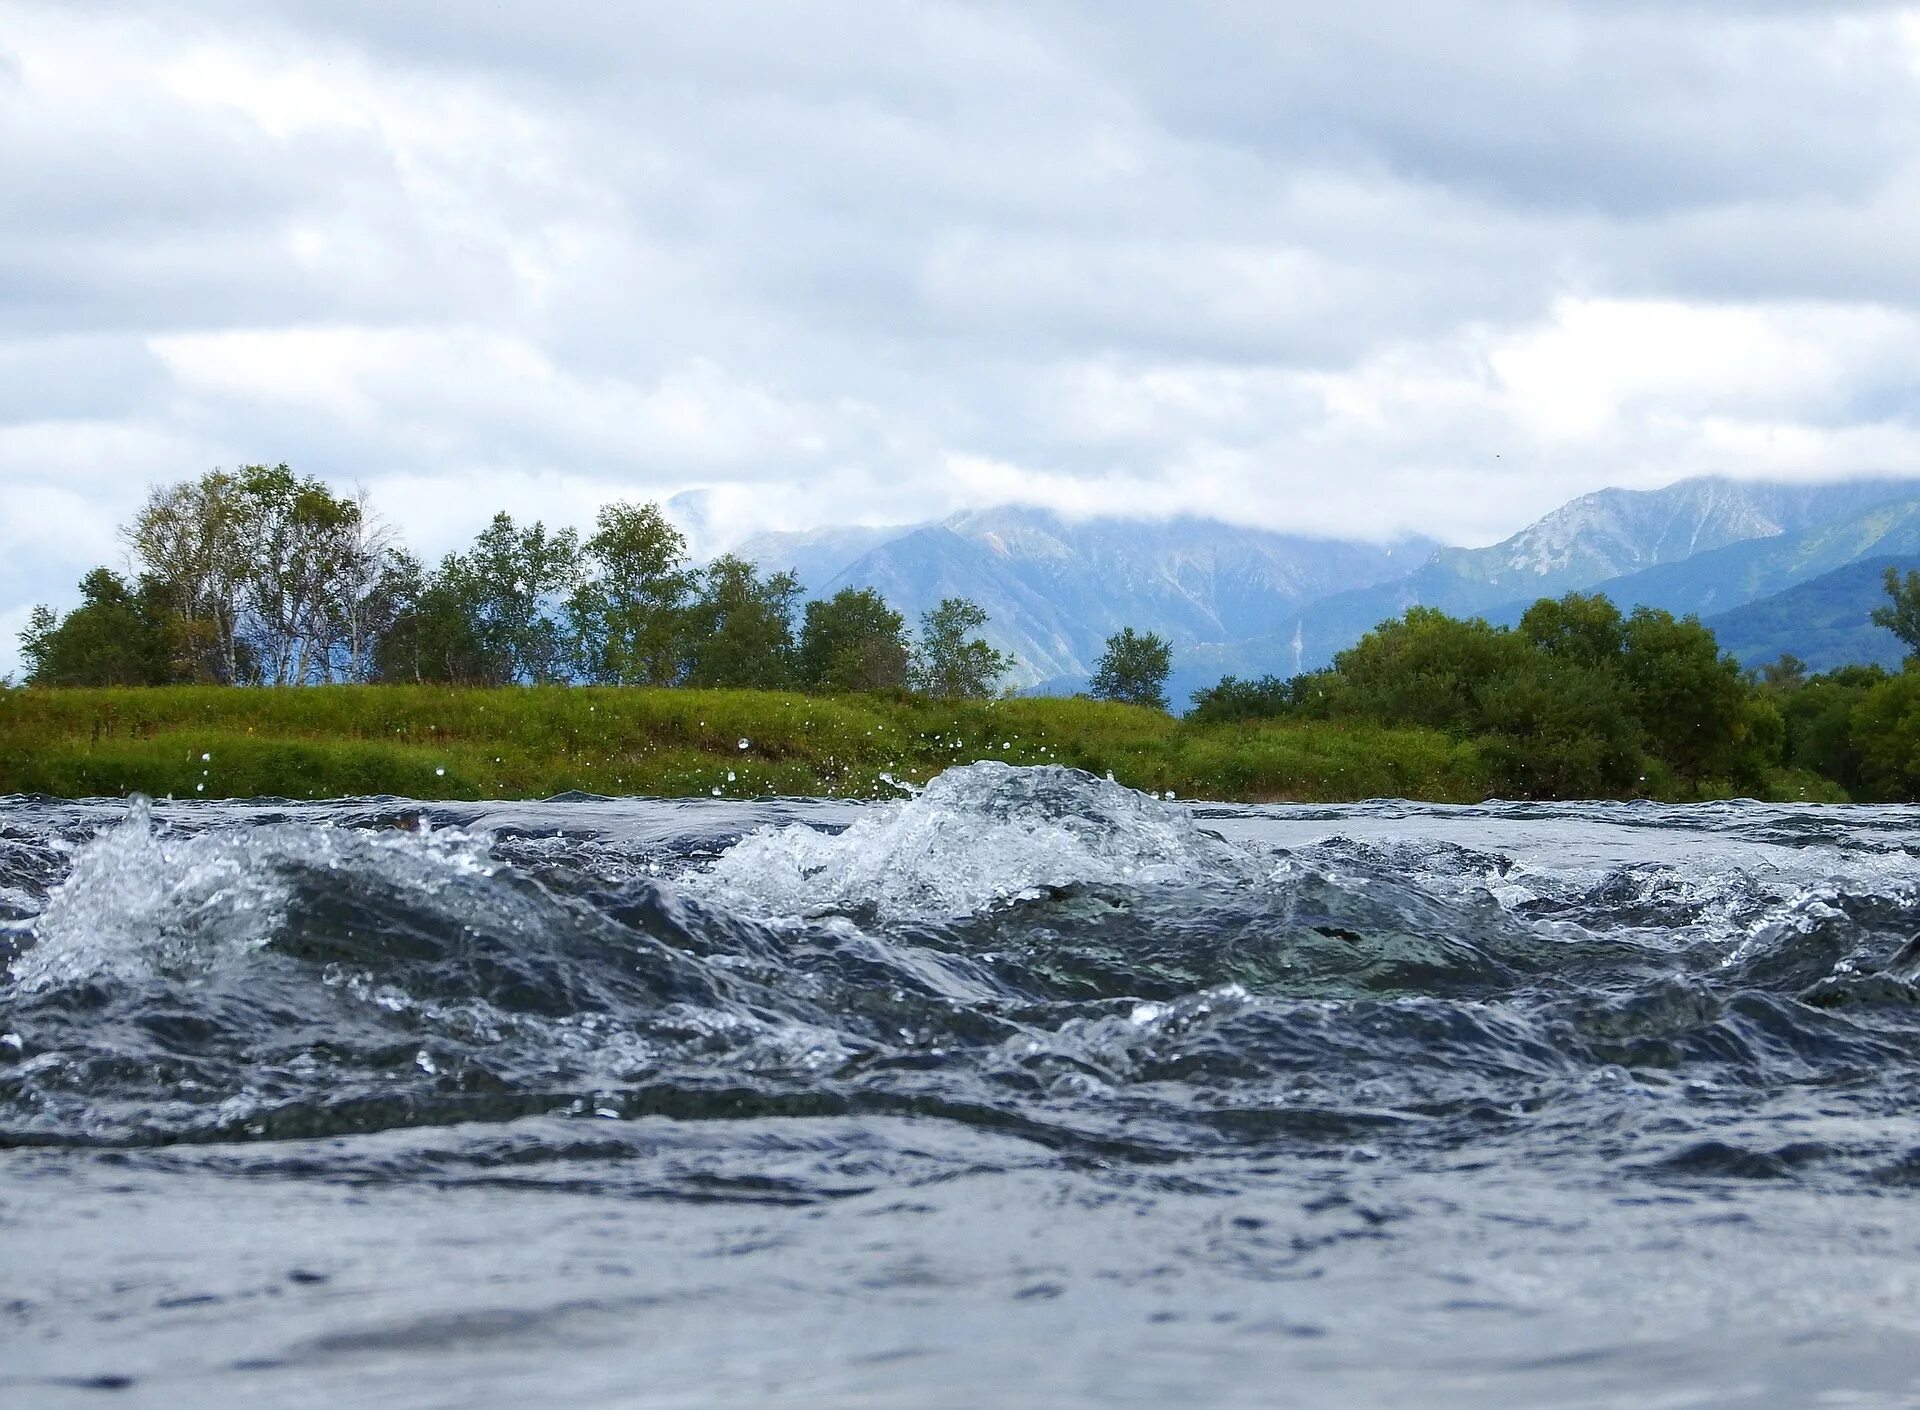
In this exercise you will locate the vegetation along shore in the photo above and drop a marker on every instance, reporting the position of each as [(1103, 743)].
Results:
[(274, 641)]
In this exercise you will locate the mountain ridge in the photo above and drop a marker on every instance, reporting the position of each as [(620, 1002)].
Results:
[(1237, 600)]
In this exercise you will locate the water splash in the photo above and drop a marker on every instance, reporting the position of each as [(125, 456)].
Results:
[(976, 837), (140, 900)]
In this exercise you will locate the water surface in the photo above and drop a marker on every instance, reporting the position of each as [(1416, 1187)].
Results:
[(1029, 1091)]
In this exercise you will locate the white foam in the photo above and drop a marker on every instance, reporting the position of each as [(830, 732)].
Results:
[(140, 900), (977, 836)]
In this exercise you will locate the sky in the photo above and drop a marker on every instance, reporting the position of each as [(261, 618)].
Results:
[(1365, 269)]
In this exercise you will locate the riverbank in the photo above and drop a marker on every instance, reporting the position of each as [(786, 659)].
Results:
[(441, 742), (447, 742)]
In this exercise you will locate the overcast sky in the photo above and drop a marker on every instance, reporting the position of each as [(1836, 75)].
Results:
[(1356, 269)]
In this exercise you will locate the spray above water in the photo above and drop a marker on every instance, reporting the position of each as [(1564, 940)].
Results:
[(140, 900), (975, 837)]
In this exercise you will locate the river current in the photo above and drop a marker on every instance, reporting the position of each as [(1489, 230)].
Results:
[(1025, 1091)]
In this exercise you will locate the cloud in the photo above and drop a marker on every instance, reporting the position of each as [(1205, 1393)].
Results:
[(1343, 269)]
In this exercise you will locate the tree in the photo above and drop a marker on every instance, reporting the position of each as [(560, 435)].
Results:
[(271, 576), (853, 641), (740, 627), (438, 633), (1232, 699), (628, 615), (1691, 698), (1885, 735), (1427, 668), (192, 539), (118, 635), (1587, 629), (1819, 718), (1901, 615), (1787, 674), (1133, 669), (300, 542), (951, 664), (513, 580), (1561, 728), (378, 581), (487, 616)]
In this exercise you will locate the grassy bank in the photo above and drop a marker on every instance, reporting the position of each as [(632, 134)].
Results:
[(437, 742)]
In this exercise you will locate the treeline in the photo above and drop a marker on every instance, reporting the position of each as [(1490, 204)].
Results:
[(1581, 701), (262, 577)]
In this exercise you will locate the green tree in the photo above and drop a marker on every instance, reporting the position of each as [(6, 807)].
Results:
[(194, 540), (513, 579), (489, 616), (740, 627), (1885, 733), (853, 641), (1818, 719), (1427, 668), (118, 635), (299, 541), (439, 631), (1133, 669), (1561, 728), (272, 576), (628, 614), (1785, 675), (1586, 629), (1232, 699), (1691, 698), (949, 661), (1901, 615)]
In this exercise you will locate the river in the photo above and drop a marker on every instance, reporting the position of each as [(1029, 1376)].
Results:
[(1026, 1091)]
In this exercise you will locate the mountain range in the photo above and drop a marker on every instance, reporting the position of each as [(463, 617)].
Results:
[(1242, 601)]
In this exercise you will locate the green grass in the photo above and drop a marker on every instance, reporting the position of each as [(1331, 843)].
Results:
[(437, 742)]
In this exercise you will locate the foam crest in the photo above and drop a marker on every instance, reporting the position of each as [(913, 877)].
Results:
[(978, 836), (140, 900)]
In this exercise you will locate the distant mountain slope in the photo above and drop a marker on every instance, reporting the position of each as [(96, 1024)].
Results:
[(1730, 577), (1249, 602), (1597, 538), (1825, 621), (1055, 588), (818, 556)]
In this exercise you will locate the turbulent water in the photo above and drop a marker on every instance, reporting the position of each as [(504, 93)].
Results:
[(1028, 1090)]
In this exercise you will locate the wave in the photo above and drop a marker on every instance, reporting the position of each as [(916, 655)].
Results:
[(1038, 953), (977, 836)]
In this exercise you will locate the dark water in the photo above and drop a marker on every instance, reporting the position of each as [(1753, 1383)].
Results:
[(1031, 1091)]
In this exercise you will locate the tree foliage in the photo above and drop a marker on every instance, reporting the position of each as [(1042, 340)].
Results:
[(1576, 701), (120, 634), (950, 662), (269, 577), (1133, 669), (1901, 614), (740, 626), (627, 612), (853, 641)]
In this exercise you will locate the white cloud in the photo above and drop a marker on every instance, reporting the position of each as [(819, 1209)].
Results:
[(1358, 269)]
